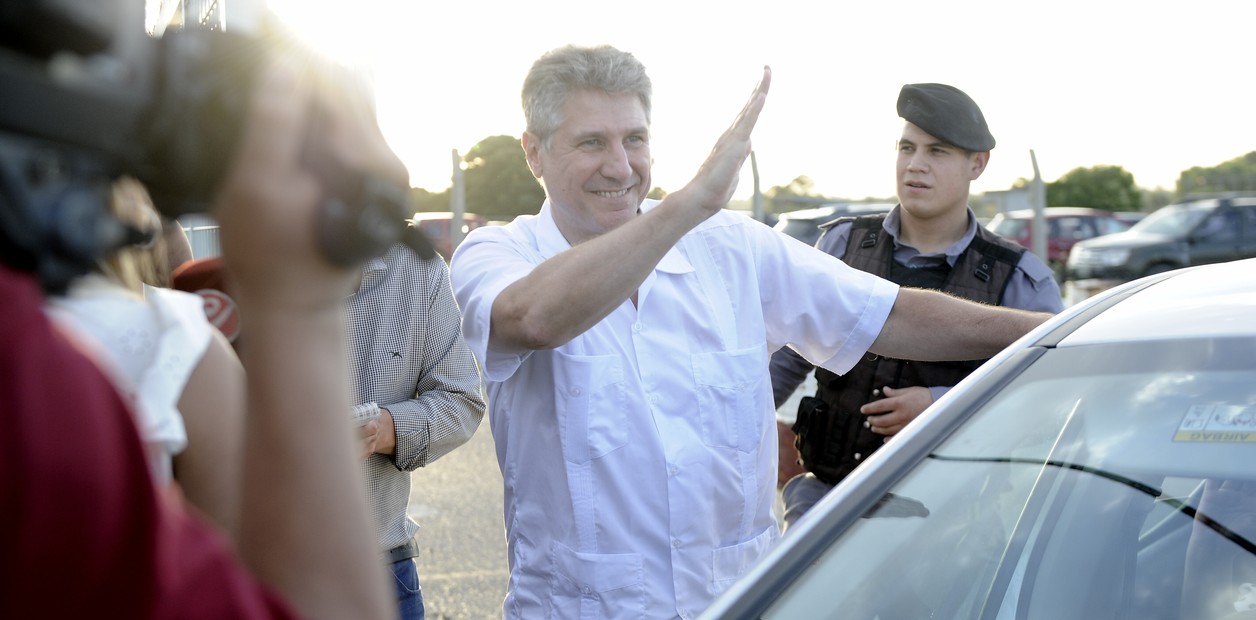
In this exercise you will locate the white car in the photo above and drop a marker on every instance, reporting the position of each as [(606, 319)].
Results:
[(804, 225), (1102, 467)]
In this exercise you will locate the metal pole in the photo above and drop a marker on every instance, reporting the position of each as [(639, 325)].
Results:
[(756, 204), (457, 202), (1038, 200)]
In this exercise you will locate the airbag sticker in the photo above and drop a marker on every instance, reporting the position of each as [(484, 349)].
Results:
[(1218, 424)]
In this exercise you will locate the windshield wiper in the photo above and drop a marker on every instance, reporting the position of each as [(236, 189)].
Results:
[(1177, 504)]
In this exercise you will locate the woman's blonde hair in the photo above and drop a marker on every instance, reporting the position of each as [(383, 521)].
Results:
[(144, 262)]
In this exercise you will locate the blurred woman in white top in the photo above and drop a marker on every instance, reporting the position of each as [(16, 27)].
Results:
[(181, 377)]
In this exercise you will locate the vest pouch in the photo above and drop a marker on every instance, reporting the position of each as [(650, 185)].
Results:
[(822, 437)]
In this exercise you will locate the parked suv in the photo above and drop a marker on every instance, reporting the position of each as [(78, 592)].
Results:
[(1065, 227), (1211, 230)]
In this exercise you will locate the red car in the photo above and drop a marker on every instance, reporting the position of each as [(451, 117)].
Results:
[(1065, 226), (438, 227)]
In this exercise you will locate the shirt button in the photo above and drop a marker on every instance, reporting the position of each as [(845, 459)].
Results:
[(654, 399), (575, 391), (675, 543), (637, 327), (858, 456), (673, 470), (867, 424), (588, 590)]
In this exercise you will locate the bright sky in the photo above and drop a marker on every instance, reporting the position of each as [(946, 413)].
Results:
[(1153, 86)]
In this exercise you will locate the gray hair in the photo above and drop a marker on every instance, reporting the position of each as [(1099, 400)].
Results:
[(571, 68)]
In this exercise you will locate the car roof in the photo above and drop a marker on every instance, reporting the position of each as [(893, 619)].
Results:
[(804, 214), (1054, 211), (1216, 300), (836, 210)]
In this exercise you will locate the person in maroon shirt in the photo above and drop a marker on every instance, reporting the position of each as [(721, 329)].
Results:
[(85, 530)]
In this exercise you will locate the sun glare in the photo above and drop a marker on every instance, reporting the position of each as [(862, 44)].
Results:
[(447, 74), (344, 32), (373, 38)]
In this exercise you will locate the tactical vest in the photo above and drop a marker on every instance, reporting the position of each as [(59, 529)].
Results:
[(831, 433)]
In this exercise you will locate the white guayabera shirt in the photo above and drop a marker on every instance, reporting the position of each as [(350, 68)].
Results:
[(639, 458)]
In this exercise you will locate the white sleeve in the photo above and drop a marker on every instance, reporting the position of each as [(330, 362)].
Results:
[(485, 263)]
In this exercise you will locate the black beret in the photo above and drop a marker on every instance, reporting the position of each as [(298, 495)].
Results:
[(946, 113)]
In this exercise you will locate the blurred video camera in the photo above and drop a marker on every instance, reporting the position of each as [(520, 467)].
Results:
[(89, 97)]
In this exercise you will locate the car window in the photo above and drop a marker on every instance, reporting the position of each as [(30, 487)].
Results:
[(1086, 488), (1108, 226), (1249, 220), (1090, 227), (1010, 227), (1175, 220), (1072, 228), (1220, 225)]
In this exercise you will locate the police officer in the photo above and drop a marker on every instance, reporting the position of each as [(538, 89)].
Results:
[(931, 239)]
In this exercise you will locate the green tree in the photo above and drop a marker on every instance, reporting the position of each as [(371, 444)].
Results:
[(1100, 187), (499, 184), (1235, 175), (423, 200), (798, 194), (1155, 198)]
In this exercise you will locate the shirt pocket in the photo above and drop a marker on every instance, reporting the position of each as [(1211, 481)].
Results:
[(596, 585), (730, 563), (591, 404), (727, 385)]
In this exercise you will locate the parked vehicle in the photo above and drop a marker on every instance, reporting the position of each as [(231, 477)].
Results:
[(804, 224), (1130, 217), (438, 226), (1065, 227), (1197, 232), (1101, 467)]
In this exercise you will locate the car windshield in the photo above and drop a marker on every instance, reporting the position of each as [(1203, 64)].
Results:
[(1175, 220), (1106, 481)]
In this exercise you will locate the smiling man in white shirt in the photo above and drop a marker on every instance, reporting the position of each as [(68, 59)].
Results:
[(625, 345)]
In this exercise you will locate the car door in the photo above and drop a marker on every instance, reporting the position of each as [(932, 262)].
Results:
[(1247, 243), (1217, 239)]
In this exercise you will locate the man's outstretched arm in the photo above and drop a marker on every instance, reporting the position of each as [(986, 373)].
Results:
[(927, 325)]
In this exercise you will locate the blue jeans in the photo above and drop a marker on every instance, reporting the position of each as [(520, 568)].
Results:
[(409, 595)]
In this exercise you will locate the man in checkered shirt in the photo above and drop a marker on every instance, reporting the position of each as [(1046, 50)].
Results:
[(418, 390)]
